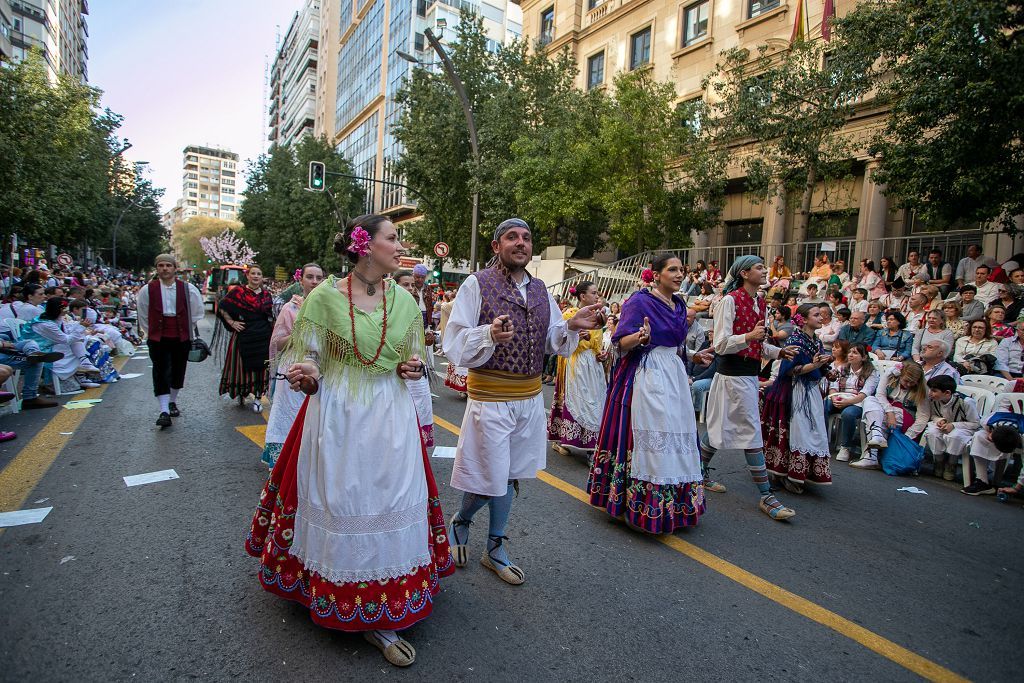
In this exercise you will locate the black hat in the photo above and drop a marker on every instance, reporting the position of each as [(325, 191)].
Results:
[(898, 283)]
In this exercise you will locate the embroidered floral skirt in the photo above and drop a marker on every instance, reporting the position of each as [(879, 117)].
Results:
[(392, 604), (654, 508), (562, 426), (795, 442), (235, 381), (455, 378)]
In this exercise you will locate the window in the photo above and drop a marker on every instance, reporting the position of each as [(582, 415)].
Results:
[(547, 25), (193, 185), (228, 174), (193, 176), (191, 194), (421, 8), (594, 4), (759, 7), (595, 70), (832, 224), (744, 232), (695, 23), (640, 48), (419, 42)]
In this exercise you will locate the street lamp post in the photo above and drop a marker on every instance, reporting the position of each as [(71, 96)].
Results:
[(467, 109)]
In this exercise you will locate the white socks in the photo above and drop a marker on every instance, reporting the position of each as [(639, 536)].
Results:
[(174, 395), (165, 401)]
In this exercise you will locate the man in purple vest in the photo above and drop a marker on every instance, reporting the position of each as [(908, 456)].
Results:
[(168, 310), (502, 324)]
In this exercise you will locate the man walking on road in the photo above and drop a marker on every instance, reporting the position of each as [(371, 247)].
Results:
[(502, 324), (168, 311)]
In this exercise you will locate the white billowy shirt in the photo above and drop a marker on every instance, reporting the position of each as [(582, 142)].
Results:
[(169, 303), (469, 345)]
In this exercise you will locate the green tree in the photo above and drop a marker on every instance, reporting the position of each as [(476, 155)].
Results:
[(788, 107), (55, 155), (952, 74), (283, 221)]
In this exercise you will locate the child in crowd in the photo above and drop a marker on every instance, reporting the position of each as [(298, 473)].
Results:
[(860, 300), (999, 438), (952, 420)]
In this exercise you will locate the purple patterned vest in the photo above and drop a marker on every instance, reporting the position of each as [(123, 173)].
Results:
[(524, 355)]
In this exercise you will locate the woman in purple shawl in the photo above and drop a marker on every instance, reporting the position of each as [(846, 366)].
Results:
[(647, 464)]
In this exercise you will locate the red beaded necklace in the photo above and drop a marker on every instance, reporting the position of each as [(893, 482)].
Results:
[(352, 317)]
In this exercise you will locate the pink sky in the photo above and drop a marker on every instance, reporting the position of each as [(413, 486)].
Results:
[(185, 72)]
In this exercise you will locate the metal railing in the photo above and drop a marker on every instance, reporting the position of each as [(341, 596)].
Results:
[(616, 280)]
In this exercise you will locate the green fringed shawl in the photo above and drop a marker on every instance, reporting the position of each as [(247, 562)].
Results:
[(323, 323)]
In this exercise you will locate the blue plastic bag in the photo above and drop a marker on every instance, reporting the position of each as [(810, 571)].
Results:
[(902, 455)]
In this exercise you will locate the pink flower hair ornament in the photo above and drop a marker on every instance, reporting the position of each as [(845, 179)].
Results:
[(798, 320), (647, 275), (298, 274), (359, 241), (572, 290)]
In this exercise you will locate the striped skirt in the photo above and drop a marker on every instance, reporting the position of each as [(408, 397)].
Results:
[(653, 508), (235, 381)]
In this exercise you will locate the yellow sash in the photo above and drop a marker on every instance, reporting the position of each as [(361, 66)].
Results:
[(500, 385)]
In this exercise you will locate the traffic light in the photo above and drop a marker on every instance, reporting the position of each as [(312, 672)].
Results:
[(317, 175)]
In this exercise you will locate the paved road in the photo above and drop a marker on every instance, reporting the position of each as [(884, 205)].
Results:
[(161, 589)]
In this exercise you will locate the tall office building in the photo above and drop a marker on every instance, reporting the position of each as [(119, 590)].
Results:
[(56, 28), (293, 78), (356, 105), (209, 183)]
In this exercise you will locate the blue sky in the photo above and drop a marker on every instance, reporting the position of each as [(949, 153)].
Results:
[(184, 72)]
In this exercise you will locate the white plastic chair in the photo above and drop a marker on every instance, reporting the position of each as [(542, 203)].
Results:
[(1015, 403), (996, 385), (984, 398)]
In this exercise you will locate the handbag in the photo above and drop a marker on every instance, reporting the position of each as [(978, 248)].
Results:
[(902, 455), (199, 350)]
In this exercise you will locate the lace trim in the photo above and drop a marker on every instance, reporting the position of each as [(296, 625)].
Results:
[(395, 520), (360, 575), (656, 443)]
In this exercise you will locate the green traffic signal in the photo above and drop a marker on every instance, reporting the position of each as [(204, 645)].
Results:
[(317, 174)]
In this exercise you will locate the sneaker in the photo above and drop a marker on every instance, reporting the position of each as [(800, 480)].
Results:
[(876, 437), (164, 420), (5, 396), (174, 412), (86, 383), (978, 488), (86, 367), (843, 455), (868, 462), (38, 402)]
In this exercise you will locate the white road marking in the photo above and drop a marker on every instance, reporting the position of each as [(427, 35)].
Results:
[(19, 517), (150, 477)]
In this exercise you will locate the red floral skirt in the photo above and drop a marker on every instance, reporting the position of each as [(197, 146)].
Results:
[(454, 380), (393, 604)]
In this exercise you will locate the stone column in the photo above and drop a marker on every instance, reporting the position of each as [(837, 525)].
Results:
[(871, 219), (773, 232)]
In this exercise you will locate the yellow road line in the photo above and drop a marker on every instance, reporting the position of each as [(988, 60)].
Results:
[(256, 433), (24, 472), (896, 653)]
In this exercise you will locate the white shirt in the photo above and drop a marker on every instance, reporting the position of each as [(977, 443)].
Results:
[(724, 339), (966, 267), (828, 333), (987, 293), (169, 303), (20, 310), (909, 272), (1010, 356), (469, 345)]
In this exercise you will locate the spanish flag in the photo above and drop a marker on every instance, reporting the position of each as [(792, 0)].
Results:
[(800, 23)]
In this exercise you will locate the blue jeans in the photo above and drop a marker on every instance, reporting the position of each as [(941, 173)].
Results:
[(30, 372), (849, 419), (698, 390)]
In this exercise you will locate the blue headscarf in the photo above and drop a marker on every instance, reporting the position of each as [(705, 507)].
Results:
[(733, 280)]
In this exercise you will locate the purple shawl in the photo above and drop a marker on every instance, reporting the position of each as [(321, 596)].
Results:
[(668, 327)]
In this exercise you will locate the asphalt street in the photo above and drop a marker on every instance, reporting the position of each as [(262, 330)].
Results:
[(151, 582)]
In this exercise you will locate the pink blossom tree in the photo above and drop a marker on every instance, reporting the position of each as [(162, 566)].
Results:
[(228, 247)]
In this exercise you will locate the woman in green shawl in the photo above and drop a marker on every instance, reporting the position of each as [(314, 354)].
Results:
[(350, 523)]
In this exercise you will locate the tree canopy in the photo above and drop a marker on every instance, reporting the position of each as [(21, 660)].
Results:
[(286, 224), (952, 74)]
